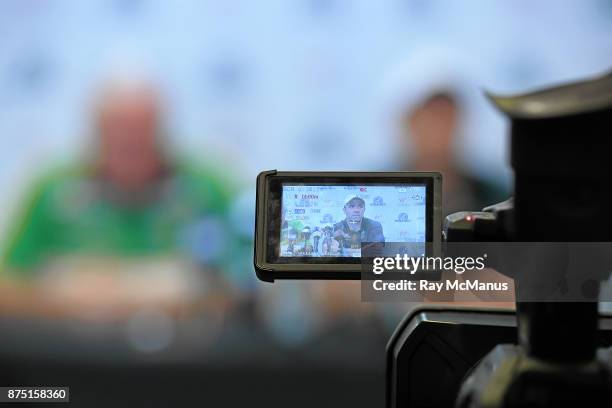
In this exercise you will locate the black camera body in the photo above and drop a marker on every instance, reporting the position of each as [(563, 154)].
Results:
[(559, 139)]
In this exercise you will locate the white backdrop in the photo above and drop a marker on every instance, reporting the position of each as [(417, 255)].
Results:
[(287, 84)]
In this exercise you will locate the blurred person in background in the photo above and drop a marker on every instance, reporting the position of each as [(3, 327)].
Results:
[(431, 128), (438, 119), (434, 113), (131, 228)]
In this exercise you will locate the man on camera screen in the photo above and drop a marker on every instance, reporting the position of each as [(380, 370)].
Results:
[(356, 228)]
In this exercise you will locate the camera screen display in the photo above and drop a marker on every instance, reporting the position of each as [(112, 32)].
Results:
[(333, 220), (325, 225)]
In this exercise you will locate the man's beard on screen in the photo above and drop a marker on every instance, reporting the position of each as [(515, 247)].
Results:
[(354, 221)]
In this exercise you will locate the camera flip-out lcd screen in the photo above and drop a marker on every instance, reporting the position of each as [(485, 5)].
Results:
[(315, 225), (334, 220)]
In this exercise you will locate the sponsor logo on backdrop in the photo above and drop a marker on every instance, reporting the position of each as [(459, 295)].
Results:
[(402, 217), (327, 219), (404, 234), (378, 201)]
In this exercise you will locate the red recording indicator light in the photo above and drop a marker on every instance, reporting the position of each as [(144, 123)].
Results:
[(469, 218)]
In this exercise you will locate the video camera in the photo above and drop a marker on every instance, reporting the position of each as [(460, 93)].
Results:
[(551, 238)]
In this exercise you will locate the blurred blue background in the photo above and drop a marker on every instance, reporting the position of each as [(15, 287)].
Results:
[(249, 86), (275, 84)]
